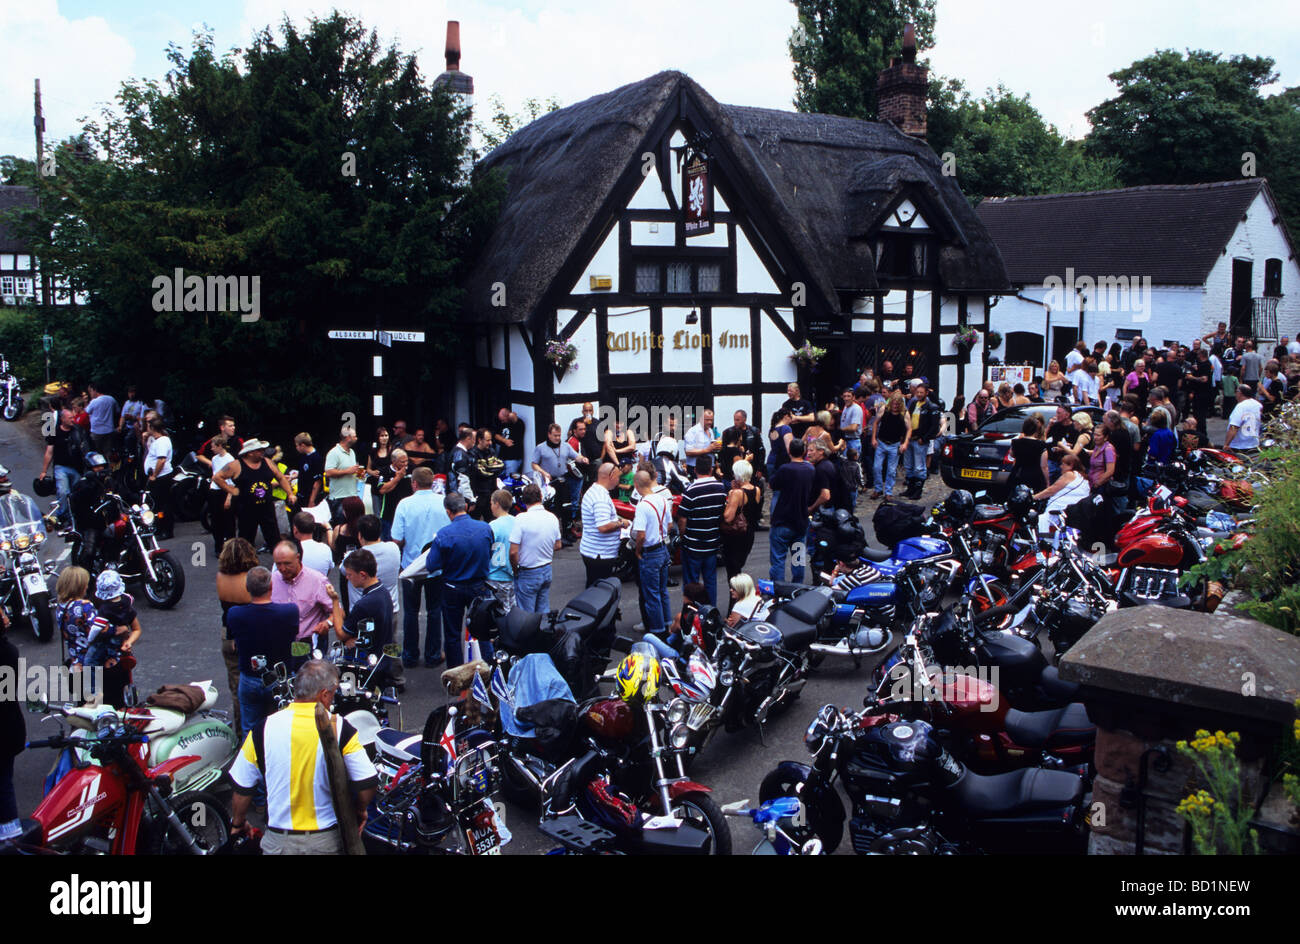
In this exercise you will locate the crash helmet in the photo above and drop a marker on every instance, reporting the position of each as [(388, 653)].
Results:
[(638, 675), (667, 446), (1021, 501), (960, 506), (95, 460)]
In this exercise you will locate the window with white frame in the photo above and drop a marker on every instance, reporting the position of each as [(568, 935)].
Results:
[(7, 285), (24, 286)]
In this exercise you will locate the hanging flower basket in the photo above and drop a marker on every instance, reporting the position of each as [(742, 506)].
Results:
[(965, 338), (808, 355), (993, 340), (561, 354)]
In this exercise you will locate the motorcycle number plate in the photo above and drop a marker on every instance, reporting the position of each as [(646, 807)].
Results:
[(482, 835), (35, 583)]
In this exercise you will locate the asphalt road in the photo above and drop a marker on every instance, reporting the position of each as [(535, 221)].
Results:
[(183, 644)]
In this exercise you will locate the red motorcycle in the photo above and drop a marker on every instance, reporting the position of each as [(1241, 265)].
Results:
[(627, 562), (118, 804), (985, 731)]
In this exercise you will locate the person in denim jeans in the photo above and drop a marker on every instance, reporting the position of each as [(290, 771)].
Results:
[(65, 449), (893, 433), (650, 525), (534, 539), (794, 481), (462, 553)]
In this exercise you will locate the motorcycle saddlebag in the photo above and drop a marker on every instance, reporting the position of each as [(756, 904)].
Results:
[(523, 633), (897, 521), (554, 721)]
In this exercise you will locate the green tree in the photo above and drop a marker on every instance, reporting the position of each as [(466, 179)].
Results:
[(839, 48), (501, 124), (317, 161), (1003, 147)]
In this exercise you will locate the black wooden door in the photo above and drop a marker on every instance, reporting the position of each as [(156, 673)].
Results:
[(1242, 269), (1063, 340)]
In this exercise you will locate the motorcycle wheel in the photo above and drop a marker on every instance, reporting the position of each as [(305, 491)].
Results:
[(42, 619), (778, 784), (699, 809), (166, 591), (202, 813), (14, 409), (205, 518), (190, 503)]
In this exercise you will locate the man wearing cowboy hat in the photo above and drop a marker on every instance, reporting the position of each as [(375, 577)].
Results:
[(253, 477)]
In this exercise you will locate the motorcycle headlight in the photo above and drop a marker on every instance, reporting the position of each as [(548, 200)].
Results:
[(6, 546), (677, 711), (727, 677), (21, 541), (135, 508), (146, 516), (38, 537), (679, 737)]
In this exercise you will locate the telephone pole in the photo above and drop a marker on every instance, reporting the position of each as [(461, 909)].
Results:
[(38, 121)]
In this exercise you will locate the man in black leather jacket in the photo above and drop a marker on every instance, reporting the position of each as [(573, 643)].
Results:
[(84, 500)]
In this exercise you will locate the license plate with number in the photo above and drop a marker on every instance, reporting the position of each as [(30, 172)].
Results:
[(482, 835), (976, 474)]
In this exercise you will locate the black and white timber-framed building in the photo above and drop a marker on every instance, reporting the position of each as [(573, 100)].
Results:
[(843, 233)]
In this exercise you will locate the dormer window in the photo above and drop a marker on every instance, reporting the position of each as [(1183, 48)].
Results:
[(902, 256)]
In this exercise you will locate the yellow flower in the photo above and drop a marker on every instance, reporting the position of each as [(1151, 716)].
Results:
[(1202, 733), (1182, 745)]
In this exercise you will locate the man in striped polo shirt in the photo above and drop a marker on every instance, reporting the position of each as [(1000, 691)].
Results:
[(699, 519), (602, 528), (286, 753)]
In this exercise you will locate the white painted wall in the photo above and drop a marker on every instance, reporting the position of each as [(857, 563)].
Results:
[(652, 234), (604, 262), (650, 195), (922, 312), (732, 364), (521, 375), (682, 342), (771, 403), (776, 363), (499, 346), (582, 376), (725, 407), (1256, 238), (531, 435), (751, 274), (636, 326)]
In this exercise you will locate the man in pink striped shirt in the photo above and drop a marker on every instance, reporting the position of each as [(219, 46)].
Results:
[(319, 611)]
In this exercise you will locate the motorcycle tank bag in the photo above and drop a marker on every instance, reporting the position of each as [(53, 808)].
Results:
[(895, 521)]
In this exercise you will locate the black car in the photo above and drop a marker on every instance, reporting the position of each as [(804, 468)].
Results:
[(981, 460)]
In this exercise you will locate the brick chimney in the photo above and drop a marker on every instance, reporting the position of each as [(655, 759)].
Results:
[(901, 90), (455, 80)]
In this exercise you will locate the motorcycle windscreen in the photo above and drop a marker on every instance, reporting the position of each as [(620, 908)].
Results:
[(20, 520)]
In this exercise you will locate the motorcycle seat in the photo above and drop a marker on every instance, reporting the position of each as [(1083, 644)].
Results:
[(597, 600), (1057, 688), (876, 554), (1032, 790), (797, 619), (521, 633), (1057, 727), (162, 721), (784, 590), (398, 746)]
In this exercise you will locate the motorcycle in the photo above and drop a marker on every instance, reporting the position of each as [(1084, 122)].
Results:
[(137, 556), (364, 696), (190, 484), (908, 793), (121, 803), (13, 399), (202, 740), (436, 790), (24, 593), (628, 780), (737, 676)]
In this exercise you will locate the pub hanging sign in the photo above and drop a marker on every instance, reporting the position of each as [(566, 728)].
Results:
[(697, 195)]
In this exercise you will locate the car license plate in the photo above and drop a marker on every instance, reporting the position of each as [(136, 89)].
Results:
[(977, 474)]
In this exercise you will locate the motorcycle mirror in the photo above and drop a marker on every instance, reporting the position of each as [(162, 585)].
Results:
[(131, 697), (393, 650), (38, 705)]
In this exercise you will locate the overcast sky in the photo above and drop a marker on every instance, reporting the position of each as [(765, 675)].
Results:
[(1058, 52)]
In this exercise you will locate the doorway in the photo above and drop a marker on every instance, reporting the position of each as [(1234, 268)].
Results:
[(1064, 337), (1242, 270)]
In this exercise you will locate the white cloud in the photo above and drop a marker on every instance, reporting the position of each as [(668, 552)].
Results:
[(80, 64)]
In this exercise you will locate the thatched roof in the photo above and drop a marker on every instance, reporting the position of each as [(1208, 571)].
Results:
[(823, 180), (1172, 233)]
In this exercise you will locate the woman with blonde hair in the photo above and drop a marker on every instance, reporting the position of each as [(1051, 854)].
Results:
[(75, 615), (1082, 448), (746, 604), (891, 436), (1053, 382)]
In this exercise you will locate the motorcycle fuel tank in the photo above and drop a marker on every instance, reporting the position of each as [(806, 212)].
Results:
[(1154, 550), (876, 593), (915, 549), (609, 719)]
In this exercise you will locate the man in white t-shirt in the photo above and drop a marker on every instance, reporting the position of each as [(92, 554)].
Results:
[(701, 439), (1075, 357), (1079, 377), (1292, 347), (315, 554), (388, 558), (341, 468), (1243, 424), (534, 539)]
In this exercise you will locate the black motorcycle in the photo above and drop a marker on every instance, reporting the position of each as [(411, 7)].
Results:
[(437, 790), (130, 546), (190, 485), (11, 389), (907, 793)]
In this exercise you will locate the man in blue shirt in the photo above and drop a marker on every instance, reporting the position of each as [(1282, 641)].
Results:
[(793, 483), (462, 551), (419, 517)]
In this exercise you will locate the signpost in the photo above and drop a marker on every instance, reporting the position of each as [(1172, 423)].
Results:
[(384, 338), (47, 342)]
